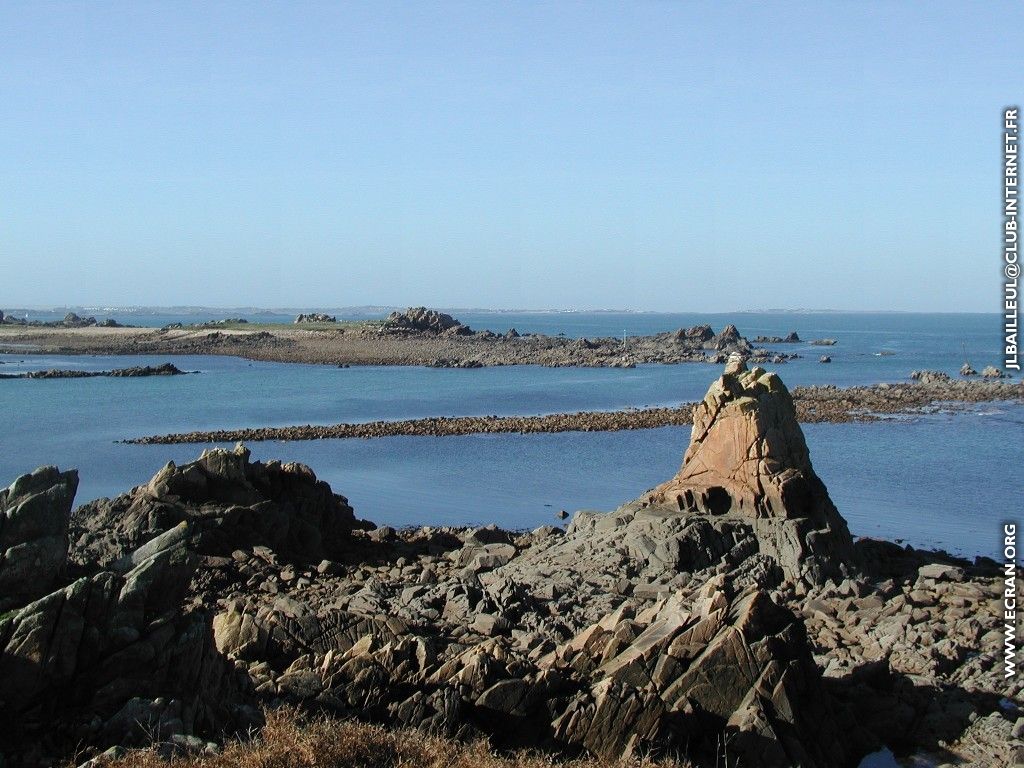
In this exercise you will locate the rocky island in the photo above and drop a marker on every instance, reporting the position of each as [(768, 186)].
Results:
[(417, 336), (726, 617)]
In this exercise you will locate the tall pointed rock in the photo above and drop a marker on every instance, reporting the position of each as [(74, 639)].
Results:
[(748, 458)]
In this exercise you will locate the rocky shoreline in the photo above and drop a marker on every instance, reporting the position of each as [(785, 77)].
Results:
[(726, 615), (165, 369), (819, 404), (417, 336)]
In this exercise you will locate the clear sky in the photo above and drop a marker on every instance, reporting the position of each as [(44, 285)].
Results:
[(665, 156)]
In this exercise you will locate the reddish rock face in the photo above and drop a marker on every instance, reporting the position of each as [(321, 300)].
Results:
[(748, 458), (747, 453)]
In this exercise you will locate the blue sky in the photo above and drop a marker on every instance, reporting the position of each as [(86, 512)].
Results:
[(663, 156)]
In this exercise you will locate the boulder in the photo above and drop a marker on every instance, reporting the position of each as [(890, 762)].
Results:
[(315, 317), (425, 320), (34, 514), (71, 320), (929, 377), (698, 335)]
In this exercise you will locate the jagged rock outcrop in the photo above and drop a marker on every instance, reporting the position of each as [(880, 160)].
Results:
[(703, 339), (426, 321), (34, 513), (115, 658), (748, 460), (729, 339), (126, 652), (229, 502), (698, 335), (738, 665)]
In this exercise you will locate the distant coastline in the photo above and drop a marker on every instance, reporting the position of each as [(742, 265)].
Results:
[(373, 310)]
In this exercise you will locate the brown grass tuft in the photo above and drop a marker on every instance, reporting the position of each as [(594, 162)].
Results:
[(290, 740)]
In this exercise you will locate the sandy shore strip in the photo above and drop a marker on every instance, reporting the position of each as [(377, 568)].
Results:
[(819, 404)]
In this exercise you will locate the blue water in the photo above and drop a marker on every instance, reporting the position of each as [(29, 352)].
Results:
[(939, 481)]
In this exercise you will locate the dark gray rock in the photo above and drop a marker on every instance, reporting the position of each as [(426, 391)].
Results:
[(229, 502), (34, 514), (423, 320)]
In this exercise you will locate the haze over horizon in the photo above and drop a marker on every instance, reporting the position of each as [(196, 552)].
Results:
[(650, 157)]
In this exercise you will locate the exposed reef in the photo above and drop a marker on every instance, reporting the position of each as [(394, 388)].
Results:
[(817, 404), (790, 338), (165, 369)]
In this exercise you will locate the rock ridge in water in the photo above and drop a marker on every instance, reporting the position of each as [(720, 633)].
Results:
[(164, 369)]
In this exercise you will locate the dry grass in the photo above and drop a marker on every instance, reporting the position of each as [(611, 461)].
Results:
[(290, 741)]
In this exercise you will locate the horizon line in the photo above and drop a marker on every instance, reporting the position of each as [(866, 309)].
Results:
[(194, 308)]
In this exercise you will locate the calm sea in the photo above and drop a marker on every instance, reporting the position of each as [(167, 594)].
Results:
[(940, 480)]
